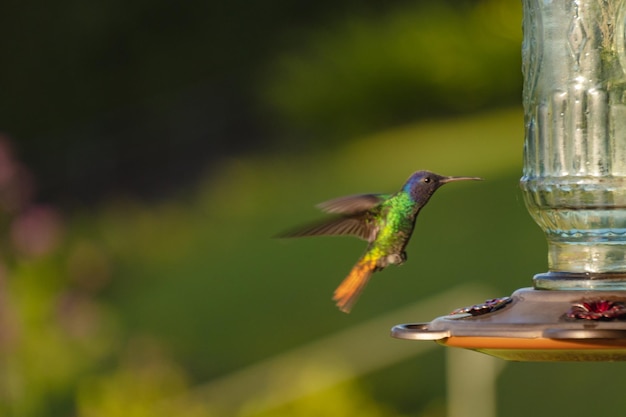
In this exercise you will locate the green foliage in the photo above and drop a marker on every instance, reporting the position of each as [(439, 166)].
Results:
[(145, 384), (52, 333), (341, 401), (366, 72)]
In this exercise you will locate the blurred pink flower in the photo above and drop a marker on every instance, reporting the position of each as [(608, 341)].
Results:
[(78, 314), (7, 160), (36, 231), (16, 181)]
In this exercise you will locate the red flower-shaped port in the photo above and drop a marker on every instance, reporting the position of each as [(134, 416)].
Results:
[(488, 306), (597, 310)]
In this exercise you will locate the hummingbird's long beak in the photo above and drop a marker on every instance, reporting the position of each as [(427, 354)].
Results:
[(451, 179)]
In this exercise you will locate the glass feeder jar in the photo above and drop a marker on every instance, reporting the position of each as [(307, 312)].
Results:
[(574, 177)]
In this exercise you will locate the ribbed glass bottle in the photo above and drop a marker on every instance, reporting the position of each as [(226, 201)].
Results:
[(574, 178)]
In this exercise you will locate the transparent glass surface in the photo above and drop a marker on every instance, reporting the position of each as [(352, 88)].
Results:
[(574, 178)]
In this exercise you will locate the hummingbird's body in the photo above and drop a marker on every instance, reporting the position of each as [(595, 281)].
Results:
[(385, 221)]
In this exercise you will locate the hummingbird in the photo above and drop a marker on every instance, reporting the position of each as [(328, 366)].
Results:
[(385, 221)]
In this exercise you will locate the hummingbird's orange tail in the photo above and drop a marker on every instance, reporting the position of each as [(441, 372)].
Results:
[(350, 288)]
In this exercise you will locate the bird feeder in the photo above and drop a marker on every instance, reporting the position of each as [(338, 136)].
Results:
[(574, 186)]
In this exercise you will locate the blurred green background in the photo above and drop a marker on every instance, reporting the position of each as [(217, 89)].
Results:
[(149, 151)]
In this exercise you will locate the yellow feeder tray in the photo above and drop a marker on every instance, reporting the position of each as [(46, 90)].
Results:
[(534, 325)]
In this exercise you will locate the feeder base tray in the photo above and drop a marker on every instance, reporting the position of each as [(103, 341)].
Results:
[(534, 325)]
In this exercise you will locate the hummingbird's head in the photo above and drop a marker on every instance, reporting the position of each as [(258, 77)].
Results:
[(422, 184)]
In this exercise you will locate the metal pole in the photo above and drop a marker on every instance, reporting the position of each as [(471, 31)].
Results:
[(471, 383)]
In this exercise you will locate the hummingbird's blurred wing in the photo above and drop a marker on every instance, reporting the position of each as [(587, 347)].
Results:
[(352, 204), (357, 225)]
